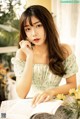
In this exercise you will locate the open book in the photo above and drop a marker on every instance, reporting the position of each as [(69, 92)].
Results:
[(48, 107), (22, 109)]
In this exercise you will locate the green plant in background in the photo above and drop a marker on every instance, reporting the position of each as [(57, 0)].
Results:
[(9, 30), (7, 12), (9, 35), (9, 24), (9, 38)]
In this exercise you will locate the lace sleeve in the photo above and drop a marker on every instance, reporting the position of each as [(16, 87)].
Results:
[(18, 66), (70, 66)]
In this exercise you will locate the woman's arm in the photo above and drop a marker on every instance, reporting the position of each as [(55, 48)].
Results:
[(23, 84), (64, 89), (51, 93)]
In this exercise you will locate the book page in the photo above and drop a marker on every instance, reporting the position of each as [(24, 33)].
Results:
[(49, 107)]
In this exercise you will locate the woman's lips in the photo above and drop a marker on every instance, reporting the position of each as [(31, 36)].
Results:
[(36, 40)]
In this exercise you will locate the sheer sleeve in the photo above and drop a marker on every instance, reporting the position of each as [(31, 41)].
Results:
[(18, 66), (70, 66)]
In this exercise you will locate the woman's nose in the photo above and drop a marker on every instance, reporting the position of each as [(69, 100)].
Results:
[(33, 32)]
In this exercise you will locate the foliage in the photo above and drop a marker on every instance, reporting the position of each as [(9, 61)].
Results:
[(71, 102), (9, 38), (9, 29), (5, 58), (3, 73), (9, 24), (7, 12)]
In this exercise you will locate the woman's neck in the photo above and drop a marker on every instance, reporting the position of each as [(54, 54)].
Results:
[(41, 54), (41, 50)]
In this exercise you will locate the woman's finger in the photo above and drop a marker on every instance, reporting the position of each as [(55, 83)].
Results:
[(34, 99), (24, 44), (47, 98), (40, 98), (20, 43)]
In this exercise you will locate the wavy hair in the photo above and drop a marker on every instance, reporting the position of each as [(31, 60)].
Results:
[(56, 56)]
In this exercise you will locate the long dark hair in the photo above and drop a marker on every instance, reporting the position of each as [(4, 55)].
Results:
[(56, 56)]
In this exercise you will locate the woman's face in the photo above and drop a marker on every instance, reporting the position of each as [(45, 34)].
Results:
[(35, 33)]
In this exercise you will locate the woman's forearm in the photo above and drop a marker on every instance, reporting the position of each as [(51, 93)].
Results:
[(64, 89), (24, 83)]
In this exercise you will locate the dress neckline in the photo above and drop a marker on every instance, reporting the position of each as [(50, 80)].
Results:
[(43, 64), (63, 61)]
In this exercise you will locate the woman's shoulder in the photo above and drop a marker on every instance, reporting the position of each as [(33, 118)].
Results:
[(20, 55), (67, 50)]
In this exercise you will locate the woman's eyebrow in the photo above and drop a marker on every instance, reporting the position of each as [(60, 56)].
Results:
[(36, 22), (33, 23)]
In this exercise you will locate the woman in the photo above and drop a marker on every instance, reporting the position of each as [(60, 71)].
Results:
[(42, 61)]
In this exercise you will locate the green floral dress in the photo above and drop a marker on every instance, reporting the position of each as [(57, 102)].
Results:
[(43, 78)]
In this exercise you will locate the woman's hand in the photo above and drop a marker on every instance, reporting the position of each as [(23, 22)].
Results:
[(43, 97), (26, 47)]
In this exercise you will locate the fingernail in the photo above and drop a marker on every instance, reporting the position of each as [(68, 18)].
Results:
[(33, 105)]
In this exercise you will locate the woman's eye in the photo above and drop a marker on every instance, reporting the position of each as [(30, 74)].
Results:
[(39, 25), (27, 29)]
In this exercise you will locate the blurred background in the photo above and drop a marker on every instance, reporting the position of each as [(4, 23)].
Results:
[(66, 14)]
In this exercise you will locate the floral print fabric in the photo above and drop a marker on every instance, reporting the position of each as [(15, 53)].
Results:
[(43, 78)]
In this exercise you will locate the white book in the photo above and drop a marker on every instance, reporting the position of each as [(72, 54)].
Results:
[(22, 109)]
